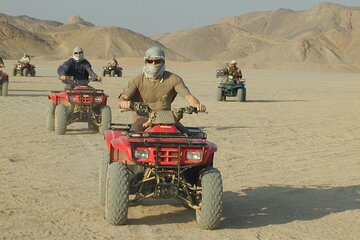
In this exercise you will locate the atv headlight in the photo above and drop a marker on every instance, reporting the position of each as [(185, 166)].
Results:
[(98, 98), (193, 155), (72, 98), (141, 154)]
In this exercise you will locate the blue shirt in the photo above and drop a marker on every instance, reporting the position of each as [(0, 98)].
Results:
[(79, 70)]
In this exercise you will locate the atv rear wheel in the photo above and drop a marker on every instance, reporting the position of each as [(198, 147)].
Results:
[(50, 117), (117, 194), (60, 119), (209, 214), (33, 73), (104, 162), (241, 95), (105, 119)]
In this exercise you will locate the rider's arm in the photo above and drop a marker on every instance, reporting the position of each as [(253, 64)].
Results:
[(63, 70), (123, 101), (92, 74)]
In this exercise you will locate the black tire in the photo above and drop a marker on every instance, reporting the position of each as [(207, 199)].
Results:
[(14, 72), (119, 74), (60, 119), (33, 73), (104, 162), (117, 194), (50, 116), (5, 86), (209, 214), (219, 95), (112, 73), (104, 73), (241, 95), (105, 119)]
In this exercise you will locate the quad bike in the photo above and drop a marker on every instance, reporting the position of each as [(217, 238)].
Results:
[(4, 84), (231, 87), (82, 103), (24, 69), (167, 160), (112, 71)]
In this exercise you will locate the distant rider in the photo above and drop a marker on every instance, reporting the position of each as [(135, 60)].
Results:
[(113, 63), (25, 59), (77, 67), (233, 70)]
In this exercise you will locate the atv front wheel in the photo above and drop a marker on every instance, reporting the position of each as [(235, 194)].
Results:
[(209, 214), (5, 86), (112, 73), (50, 119), (219, 96), (117, 194), (105, 119), (60, 119), (25, 72), (241, 95), (104, 162)]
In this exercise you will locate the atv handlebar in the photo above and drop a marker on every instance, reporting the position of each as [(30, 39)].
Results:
[(71, 79), (144, 108)]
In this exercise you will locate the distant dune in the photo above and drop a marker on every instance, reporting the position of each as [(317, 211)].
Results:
[(327, 34)]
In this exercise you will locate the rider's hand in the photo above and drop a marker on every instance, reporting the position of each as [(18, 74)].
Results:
[(123, 104), (201, 108), (62, 77)]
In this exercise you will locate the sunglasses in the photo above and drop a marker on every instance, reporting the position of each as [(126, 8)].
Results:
[(156, 61), (78, 52)]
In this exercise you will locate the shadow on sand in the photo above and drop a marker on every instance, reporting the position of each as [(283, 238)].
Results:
[(283, 204)]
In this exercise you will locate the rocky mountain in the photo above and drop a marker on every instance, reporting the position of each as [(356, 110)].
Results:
[(325, 34)]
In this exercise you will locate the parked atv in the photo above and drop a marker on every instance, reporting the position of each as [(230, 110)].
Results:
[(167, 160), (231, 87), (83, 103), (112, 71), (23, 69), (4, 84)]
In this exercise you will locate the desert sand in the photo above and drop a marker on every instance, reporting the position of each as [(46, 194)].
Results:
[(289, 159)]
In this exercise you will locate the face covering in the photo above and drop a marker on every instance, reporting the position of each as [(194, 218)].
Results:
[(154, 71), (78, 57)]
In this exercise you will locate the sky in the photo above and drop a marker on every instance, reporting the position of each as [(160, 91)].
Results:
[(151, 17)]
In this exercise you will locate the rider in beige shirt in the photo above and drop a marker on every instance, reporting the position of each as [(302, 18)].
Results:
[(156, 87)]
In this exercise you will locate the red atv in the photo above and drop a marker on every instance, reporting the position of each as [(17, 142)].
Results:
[(82, 103), (24, 69), (167, 160), (4, 83)]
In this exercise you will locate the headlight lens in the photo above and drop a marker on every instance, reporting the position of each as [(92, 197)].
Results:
[(141, 154), (193, 155), (98, 98), (72, 98)]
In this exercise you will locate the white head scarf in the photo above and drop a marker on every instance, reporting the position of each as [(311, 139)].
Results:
[(78, 57), (154, 70)]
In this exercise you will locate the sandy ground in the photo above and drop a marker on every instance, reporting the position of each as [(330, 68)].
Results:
[(289, 158)]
